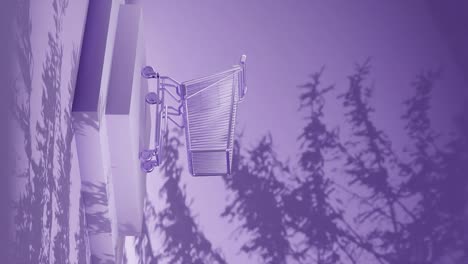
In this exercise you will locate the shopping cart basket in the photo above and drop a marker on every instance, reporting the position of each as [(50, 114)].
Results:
[(208, 107)]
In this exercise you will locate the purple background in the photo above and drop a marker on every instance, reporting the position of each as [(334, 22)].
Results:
[(285, 41)]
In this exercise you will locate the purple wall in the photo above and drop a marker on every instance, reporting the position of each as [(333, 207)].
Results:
[(285, 42)]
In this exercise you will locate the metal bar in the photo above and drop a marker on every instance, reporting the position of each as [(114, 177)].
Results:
[(209, 86), (233, 91), (172, 95), (235, 68), (210, 174), (175, 122), (208, 150), (170, 79), (157, 125), (179, 112), (177, 87)]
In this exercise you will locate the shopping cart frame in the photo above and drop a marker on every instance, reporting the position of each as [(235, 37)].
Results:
[(166, 113)]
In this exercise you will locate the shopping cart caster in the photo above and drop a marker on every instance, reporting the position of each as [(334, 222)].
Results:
[(148, 72), (148, 166), (152, 98), (146, 155)]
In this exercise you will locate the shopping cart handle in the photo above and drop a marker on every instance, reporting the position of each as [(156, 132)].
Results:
[(243, 59)]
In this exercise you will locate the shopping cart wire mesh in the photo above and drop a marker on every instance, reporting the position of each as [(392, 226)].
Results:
[(209, 110)]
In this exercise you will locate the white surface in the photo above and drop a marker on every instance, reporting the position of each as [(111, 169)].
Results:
[(91, 137), (69, 38), (124, 117)]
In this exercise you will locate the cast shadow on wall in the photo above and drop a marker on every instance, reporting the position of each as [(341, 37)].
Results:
[(351, 197), (95, 198), (45, 203), (174, 225)]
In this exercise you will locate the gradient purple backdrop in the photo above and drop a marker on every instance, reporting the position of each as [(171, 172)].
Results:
[(285, 42)]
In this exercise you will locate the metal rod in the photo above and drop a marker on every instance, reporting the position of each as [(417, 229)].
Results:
[(175, 122), (171, 79), (177, 87), (233, 69), (209, 86), (179, 111), (171, 94)]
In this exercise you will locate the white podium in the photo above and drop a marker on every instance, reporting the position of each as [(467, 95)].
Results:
[(109, 118)]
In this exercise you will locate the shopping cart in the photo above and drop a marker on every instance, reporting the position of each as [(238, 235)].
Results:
[(208, 107)]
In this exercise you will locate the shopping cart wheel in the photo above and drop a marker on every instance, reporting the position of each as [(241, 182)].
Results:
[(152, 98), (146, 154), (148, 72), (147, 166)]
